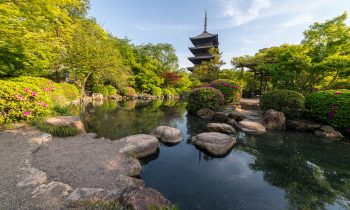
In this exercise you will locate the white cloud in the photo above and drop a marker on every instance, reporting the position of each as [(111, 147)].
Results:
[(240, 13), (299, 19)]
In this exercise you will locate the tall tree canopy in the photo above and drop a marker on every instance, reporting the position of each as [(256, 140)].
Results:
[(318, 62)]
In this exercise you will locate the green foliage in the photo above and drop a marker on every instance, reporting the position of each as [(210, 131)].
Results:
[(111, 90), (331, 107), (230, 89), (209, 70), (92, 54), (34, 34), (21, 101), (318, 62), (204, 97), (128, 91), (55, 130), (156, 91), (289, 102), (69, 90), (54, 90), (100, 89)]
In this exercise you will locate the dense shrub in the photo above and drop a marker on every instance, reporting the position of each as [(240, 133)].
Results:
[(156, 91), (289, 102), (100, 89), (331, 107), (54, 90), (128, 91), (70, 91), (111, 90), (230, 89), (167, 92), (21, 101), (204, 97)]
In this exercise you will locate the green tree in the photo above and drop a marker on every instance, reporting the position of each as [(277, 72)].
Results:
[(35, 33), (209, 70), (93, 54)]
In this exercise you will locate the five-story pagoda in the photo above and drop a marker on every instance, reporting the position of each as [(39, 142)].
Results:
[(202, 44)]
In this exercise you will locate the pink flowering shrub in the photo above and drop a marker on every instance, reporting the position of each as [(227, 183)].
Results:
[(20, 101), (61, 93), (204, 97), (230, 89), (331, 107)]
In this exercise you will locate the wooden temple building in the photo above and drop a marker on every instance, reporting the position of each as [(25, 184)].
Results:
[(202, 44)]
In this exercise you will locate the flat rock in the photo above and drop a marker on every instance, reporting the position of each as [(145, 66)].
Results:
[(139, 146), (251, 127), (328, 132), (205, 113), (217, 144), (168, 134), (221, 128), (274, 120), (221, 117), (138, 198), (303, 125), (67, 121), (237, 116)]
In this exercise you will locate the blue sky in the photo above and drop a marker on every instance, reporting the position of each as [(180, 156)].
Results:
[(244, 26)]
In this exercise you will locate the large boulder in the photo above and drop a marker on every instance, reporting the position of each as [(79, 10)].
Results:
[(139, 146), (168, 134), (251, 127), (97, 97), (216, 144), (221, 128), (274, 120), (205, 113), (221, 117), (328, 132), (303, 125), (139, 198), (69, 121)]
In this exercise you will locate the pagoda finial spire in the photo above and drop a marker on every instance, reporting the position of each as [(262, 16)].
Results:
[(205, 21)]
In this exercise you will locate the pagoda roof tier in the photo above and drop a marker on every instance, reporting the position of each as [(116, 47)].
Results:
[(204, 39), (205, 35), (199, 59), (194, 50)]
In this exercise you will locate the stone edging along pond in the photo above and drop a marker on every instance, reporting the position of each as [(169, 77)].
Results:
[(74, 170)]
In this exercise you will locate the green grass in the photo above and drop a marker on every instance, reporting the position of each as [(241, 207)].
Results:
[(60, 131)]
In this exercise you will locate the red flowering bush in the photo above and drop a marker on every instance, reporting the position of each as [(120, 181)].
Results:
[(22, 101), (331, 107), (230, 89), (204, 97)]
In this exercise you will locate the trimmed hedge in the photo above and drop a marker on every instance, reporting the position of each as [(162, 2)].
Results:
[(289, 102), (204, 97), (228, 88), (331, 107)]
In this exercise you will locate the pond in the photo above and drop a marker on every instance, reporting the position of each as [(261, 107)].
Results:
[(278, 170)]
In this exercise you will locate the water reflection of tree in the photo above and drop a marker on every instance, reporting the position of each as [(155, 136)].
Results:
[(113, 120), (313, 173)]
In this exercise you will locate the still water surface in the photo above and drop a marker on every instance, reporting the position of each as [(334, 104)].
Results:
[(279, 170)]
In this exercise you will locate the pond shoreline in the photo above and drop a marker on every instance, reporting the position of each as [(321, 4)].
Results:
[(72, 170)]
